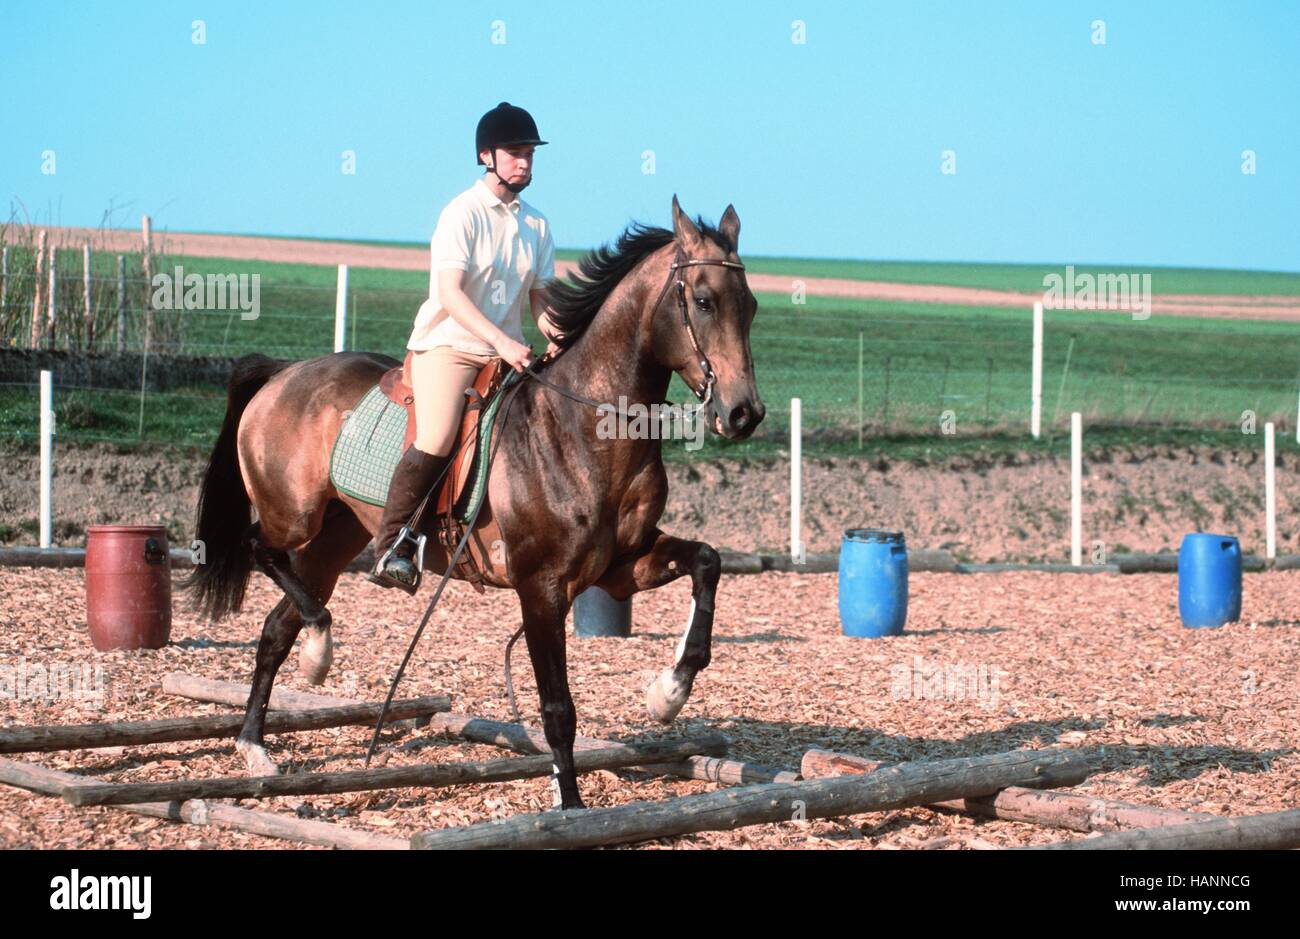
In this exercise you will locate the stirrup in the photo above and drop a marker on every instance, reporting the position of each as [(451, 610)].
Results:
[(378, 575)]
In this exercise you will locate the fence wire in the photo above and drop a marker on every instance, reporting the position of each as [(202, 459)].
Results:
[(858, 376)]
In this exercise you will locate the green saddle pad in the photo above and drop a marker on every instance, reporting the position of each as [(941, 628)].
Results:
[(369, 447)]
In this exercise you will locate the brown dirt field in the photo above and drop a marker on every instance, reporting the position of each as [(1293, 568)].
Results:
[(1202, 720), (1007, 509), (302, 251)]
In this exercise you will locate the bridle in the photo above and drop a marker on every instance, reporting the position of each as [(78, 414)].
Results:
[(680, 261), (705, 392)]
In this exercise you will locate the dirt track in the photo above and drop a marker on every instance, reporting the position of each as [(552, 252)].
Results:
[(1196, 719), (299, 251)]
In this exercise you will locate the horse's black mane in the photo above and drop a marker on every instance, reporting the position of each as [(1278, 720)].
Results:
[(575, 304)]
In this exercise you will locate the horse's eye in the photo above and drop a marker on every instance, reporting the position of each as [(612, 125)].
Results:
[(704, 304)]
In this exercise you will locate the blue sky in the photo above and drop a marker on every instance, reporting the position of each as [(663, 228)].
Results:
[(1066, 151)]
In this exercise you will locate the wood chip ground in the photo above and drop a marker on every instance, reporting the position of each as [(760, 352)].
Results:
[(1205, 720)]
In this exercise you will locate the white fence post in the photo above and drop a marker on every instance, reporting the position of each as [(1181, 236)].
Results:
[(1036, 385), (146, 264), (796, 480), (52, 306), (121, 304), (47, 434), (38, 299), (146, 259), (85, 282), (341, 309), (1076, 488), (1270, 495)]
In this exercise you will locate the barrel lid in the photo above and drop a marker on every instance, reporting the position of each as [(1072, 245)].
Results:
[(139, 529), (880, 535)]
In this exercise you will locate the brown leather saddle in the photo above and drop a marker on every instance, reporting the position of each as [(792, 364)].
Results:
[(445, 526)]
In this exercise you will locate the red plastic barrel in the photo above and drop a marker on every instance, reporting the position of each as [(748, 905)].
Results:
[(128, 586)]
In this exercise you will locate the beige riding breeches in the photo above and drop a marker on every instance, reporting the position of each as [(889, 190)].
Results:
[(439, 377)]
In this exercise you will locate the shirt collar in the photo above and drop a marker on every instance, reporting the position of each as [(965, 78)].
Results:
[(489, 198)]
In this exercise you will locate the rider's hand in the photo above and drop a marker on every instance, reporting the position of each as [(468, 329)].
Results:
[(517, 355), (550, 334)]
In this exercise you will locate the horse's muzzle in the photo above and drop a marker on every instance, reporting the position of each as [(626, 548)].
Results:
[(738, 421)]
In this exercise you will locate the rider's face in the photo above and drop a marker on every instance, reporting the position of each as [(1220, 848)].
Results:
[(513, 164)]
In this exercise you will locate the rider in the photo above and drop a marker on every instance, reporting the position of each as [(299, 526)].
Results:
[(490, 254)]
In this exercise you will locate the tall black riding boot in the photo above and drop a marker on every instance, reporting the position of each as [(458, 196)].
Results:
[(412, 479)]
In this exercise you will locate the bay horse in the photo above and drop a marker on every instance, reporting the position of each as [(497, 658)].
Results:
[(570, 508)]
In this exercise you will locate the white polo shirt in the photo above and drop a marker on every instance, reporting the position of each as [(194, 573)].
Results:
[(506, 250)]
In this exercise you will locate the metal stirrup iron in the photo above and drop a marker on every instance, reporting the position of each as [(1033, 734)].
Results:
[(404, 534)]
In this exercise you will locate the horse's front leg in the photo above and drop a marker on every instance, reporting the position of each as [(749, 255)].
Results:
[(667, 559)]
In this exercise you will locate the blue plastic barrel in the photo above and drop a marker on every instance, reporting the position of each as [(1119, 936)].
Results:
[(873, 583), (596, 613), (1209, 580)]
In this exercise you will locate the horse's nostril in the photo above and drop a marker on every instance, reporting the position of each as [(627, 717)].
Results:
[(740, 417)]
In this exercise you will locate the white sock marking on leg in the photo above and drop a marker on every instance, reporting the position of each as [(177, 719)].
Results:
[(681, 646)]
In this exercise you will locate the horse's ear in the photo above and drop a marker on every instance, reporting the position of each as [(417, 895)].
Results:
[(730, 225), (683, 228)]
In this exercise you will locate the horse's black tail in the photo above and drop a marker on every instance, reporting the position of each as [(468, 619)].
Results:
[(224, 562)]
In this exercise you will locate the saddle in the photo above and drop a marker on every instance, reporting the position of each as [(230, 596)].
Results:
[(453, 494)]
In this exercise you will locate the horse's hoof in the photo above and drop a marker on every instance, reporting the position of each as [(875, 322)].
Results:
[(313, 671), (255, 758), (666, 696)]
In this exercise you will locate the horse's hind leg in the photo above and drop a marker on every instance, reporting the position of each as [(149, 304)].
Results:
[(308, 585), (319, 565), (276, 564), (278, 632)]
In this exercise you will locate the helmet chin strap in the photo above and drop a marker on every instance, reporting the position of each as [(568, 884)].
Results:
[(516, 188)]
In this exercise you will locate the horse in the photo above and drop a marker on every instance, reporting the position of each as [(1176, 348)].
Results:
[(566, 507)]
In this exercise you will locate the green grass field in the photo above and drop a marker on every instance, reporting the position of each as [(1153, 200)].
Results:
[(1161, 376), (1029, 277), (1020, 277)]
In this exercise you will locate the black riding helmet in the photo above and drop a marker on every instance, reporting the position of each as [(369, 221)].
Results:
[(505, 126)]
